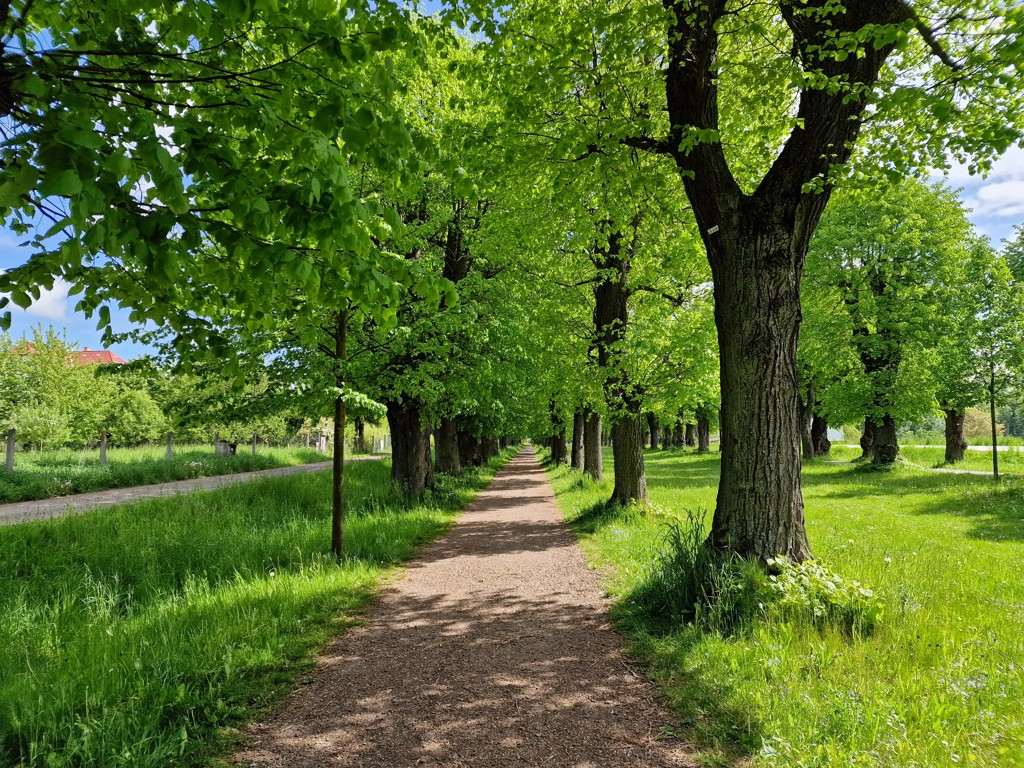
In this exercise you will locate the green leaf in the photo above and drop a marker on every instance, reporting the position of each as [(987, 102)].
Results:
[(63, 183)]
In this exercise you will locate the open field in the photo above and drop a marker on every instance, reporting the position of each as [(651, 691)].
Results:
[(141, 635), (45, 474), (938, 683)]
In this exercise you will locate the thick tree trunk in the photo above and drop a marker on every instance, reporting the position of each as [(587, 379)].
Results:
[(592, 460), (867, 440), (703, 431), (576, 461), (654, 429), (691, 435), (886, 447), (491, 447), (819, 436), (678, 439), (410, 455), (956, 445), (446, 446), (628, 451)]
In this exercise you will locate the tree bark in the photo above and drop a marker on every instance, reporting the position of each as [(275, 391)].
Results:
[(867, 440), (992, 415), (678, 440), (703, 431), (410, 455), (628, 448), (956, 445), (807, 421), (338, 457), (360, 439), (819, 436), (690, 438), (654, 428), (756, 245), (469, 449), (446, 445), (592, 459), (576, 461), (886, 447)]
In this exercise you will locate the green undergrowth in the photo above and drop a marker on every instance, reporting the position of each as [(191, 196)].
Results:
[(45, 474), (935, 680), (142, 635)]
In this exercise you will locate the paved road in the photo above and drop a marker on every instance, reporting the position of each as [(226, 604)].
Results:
[(40, 509)]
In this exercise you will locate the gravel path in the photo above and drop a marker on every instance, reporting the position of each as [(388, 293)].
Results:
[(493, 650), (40, 509)]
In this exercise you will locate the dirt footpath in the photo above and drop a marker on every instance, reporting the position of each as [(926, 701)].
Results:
[(493, 650)]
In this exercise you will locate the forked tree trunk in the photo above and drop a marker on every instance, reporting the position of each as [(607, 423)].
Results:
[(691, 435), (592, 459), (956, 444), (410, 455), (703, 431), (654, 428), (576, 461), (819, 436), (446, 446), (886, 447), (628, 447)]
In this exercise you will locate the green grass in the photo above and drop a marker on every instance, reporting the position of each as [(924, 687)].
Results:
[(1010, 462), (44, 474), (142, 635), (938, 684)]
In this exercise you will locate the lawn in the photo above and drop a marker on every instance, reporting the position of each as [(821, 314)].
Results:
[(938, 683), (44, 474), (143, 635), (1010, 462)]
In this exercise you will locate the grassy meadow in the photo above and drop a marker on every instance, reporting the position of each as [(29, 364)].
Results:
[(142, 635), (45, 474), (938, 683)]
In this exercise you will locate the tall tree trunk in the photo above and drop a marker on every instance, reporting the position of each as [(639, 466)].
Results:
[(360, 440), (559, 449), (819, 436), (338, 457), (678, 440), (446, 445), (806, 421), (592, 460), (469, 449), (576, 461), (956, 445), (628, 449), (410, 463), (654, 428), (867, 439), (703, 431), (886, 447), (691, 435), (992, 415)]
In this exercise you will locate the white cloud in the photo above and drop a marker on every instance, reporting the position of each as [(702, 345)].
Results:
[(1004, 199), (1008, 167), (51, 305)]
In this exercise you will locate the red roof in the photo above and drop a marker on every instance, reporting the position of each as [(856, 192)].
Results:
[(103, 356)]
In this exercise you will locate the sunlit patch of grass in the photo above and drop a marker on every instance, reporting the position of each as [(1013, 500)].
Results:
[(937, 683), (139, 635), (45, 474)]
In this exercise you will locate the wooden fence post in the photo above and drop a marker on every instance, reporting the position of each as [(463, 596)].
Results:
[(10, 449), (254, 443), (170, 446), (103, 447)]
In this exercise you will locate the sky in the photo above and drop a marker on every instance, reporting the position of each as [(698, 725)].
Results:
[(996, 205)]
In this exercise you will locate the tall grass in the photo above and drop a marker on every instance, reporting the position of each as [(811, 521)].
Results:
[(938, 682), (45, 474), (139, 635)]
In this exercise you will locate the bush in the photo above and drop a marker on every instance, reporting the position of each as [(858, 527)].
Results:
[(691, 583)]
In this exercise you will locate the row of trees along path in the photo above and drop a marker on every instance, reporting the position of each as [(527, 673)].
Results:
[(494, 650)]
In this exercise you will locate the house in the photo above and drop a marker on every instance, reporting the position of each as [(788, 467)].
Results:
[(99, 356)]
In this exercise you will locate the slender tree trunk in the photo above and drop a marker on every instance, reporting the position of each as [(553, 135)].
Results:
[(360, 439), (691, 435), (410, 463), (592, 460), (338, 458), (956, 445), (628, 449), (819, 436), (703, 431), (655, 431), (807, 421), (446, 445), (577, 440), (992, 415), (886, 447), (867, 439)]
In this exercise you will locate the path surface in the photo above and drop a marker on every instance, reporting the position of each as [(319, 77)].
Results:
[(493, 650), (40, 509)]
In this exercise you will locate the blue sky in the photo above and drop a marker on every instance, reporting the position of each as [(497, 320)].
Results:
[(996, 204)]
